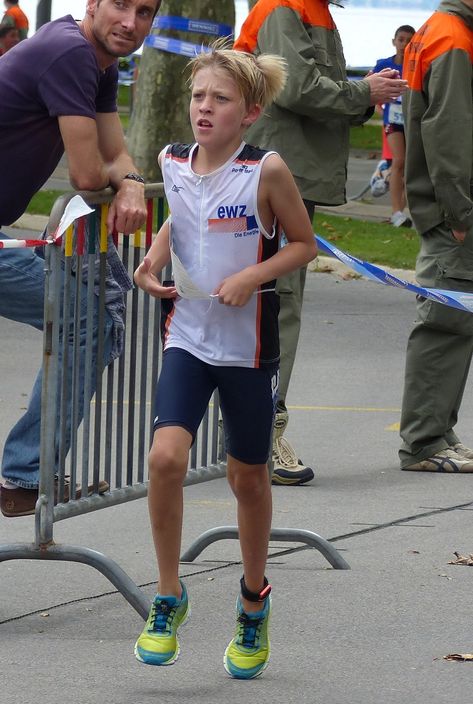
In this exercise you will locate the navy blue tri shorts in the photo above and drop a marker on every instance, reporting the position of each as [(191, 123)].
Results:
[(391, 127), (247, 400)]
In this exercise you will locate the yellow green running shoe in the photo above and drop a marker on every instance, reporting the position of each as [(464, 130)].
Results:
[(247, 655), (158, 644)]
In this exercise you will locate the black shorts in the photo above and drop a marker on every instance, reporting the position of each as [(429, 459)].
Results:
[(247, 400), (389, 129)]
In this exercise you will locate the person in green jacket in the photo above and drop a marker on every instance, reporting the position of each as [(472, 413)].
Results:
[(16, 18), (308, 125), (438, 122)]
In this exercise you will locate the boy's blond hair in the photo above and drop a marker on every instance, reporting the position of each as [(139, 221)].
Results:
[(259, 78)]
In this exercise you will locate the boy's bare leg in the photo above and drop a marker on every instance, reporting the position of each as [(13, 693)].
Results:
[(397, 145), (252, 489), (168, 460)]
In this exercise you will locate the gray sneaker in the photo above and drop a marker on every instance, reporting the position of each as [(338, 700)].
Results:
[(463, 451), (288, 469), (443, 461)]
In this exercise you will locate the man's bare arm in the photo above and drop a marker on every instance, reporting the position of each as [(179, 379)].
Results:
[(128, 210), (98, 157), (87, 170)]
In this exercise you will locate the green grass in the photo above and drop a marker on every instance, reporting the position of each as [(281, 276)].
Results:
[(125, 120), (124, 96), (42, 202), (367, 136), (372, 241)]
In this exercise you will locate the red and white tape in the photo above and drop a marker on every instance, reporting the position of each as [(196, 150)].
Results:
[(75, 209)]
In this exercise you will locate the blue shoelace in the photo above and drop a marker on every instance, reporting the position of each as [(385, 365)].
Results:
[(249, 630), (162, 616)]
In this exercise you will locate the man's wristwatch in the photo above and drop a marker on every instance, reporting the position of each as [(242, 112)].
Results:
[(134, 177)]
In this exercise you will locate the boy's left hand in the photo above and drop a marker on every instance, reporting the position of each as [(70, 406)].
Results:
[(237, 289)]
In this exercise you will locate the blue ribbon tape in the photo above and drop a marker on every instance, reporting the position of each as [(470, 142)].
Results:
[(454, 299), (182, 24), (174, 46)]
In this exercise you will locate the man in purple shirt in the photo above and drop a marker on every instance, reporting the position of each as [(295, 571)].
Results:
[(59, 95)]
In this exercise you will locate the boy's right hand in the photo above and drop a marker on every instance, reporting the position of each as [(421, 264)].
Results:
[(149, 282)]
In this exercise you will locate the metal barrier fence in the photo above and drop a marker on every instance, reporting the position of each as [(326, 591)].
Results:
[(97, 414)]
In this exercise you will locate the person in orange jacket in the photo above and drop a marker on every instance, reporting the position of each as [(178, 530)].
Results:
[(8, 38), (308, 125), (438, 114), (15, 17)]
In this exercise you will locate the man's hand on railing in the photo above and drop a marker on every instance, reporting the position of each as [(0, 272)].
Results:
[(127, 212)]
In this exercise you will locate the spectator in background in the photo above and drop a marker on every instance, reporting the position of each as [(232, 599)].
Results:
[(393, 125), (15, 17), (308, 125), (8, 38), (75, 112)]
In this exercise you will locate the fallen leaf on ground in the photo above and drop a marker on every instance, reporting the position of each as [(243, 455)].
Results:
[(462, 560), (463, 657), (324, 268), (350, 275), (328, 227)]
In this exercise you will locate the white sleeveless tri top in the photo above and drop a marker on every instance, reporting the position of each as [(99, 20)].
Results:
[(216, 231)]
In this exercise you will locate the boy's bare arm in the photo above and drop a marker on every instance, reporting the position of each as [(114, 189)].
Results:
[(278, 198), (156, 259)]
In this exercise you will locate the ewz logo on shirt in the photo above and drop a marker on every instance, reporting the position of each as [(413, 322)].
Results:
[(231, 211), (233, 219)]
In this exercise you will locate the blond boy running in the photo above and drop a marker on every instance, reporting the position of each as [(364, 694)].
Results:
[(228, 203)]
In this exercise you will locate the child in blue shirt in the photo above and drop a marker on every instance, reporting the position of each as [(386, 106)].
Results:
[(393, 124)]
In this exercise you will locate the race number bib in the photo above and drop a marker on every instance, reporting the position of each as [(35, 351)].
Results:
[(395, 116)]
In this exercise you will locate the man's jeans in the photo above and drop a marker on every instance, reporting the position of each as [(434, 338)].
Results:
[(22, 299)]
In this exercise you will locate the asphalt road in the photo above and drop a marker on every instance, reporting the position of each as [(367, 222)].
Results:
[(360, 170), (377, 632)]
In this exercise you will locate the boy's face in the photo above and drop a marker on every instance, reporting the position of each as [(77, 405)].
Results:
[(119, 27), (401, 40), (217, 109)]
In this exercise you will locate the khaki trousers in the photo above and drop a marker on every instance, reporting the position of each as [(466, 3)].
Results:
[(439, 349), (291, 293)]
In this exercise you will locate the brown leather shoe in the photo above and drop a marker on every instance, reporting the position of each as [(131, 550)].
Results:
[(21, 502)]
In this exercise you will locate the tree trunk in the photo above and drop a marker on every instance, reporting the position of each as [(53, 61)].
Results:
[(161, 106)]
